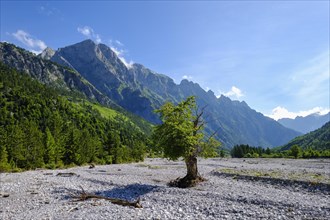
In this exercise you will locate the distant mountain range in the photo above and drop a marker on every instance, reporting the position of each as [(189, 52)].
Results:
[(318, 139), (305, 124), (96, 72)]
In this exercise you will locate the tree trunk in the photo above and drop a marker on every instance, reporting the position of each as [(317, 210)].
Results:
[(192, 177), (192, 170)]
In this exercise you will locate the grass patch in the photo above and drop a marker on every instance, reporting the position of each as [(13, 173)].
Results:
[(105, 112), (277, 174)]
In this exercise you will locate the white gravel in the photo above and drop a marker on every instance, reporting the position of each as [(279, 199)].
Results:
[(42, 194)]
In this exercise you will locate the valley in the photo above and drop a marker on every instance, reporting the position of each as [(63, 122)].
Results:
[(235, 189)]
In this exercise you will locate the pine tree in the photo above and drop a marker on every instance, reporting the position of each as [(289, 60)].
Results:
[(33, 144), (4, 165), (50, 148)]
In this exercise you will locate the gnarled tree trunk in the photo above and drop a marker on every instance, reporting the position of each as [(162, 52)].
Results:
[(192, 170), (192, 178)]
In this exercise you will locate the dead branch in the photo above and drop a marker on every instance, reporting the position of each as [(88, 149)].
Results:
[(83, 195), (214, 133)]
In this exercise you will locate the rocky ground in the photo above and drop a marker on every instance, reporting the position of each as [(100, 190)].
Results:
[(235, 189)]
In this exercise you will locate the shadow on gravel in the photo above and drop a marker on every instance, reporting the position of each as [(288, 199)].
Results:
[(129, 192), (295, 184)]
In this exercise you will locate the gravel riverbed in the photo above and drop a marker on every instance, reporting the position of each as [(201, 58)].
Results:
[(235, 189)]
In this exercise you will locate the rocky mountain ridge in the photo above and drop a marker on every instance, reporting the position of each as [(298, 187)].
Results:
[(305, 124), (48, 72), (141, 90)]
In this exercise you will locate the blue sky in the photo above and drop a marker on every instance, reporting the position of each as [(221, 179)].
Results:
[(272, 54)]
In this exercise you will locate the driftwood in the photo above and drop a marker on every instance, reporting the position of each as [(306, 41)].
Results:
[(66, 174), (83, 195)]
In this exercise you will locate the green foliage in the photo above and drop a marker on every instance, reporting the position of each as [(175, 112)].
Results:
[(40, 128), (50, 147), (105, 112), (180, 134), (317, 140), (4, 165), (295, 151), (222, 153), (247, 151), (242, 150)]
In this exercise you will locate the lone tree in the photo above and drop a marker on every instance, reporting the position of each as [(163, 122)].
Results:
[(181, 135)]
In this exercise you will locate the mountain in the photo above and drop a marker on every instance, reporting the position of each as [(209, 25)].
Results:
[(47, 53), (305, 124), (102, 68), (318, 139), (48, 72), (141, 91), (39, 127)]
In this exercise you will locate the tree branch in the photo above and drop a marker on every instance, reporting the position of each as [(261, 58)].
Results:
[(83, 195)]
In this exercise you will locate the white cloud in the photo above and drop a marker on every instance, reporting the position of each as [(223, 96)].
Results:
[(98, 39), (86, 31), (117, 51), (89, 32), (234, 93), (187, 77), (34, 45), (120, 54), (281, 112), (312, 79), (46, 11), (127, 64), (119, 43)]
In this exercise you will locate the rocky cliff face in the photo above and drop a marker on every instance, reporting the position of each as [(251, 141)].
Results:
[(48, 72), (47, 53), (102, 68)]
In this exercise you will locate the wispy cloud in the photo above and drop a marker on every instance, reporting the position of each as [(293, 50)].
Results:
[(119, 43), (33, 44), (89, 33), (120, 54), (234, 93), (281, 112), (116, 47), (189, 77), (312, 80), (98, 39), (46, 10), (86, 31)]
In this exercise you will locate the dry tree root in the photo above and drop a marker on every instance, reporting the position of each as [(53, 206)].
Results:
[(84, 196), (186, 182)]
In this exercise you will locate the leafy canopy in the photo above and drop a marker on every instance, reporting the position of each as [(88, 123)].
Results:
[(180, 134)]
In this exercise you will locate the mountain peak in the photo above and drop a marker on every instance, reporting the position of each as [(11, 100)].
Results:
[(47, 53), (305, 124), (87, 41)]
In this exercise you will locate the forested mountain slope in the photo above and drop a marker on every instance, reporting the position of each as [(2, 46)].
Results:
[(318, 139), (39, 127)]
